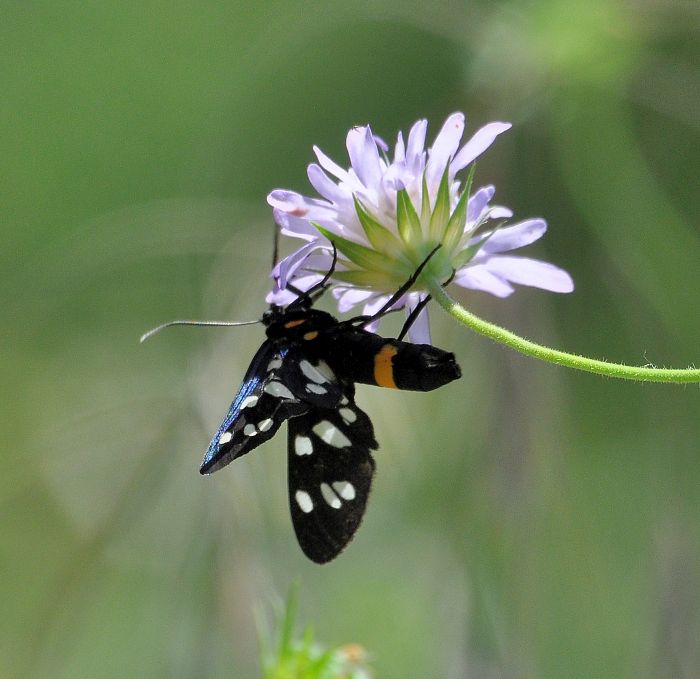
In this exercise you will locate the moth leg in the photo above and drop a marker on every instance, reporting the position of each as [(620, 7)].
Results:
[(362, 321), (307, 298), (412, 316), (419, 307)]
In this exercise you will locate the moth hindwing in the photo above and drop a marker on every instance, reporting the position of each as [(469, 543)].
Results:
[(330, 470)]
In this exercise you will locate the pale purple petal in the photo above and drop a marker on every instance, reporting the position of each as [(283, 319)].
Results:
[(331, 166), (415, 145), (482, 139), (282, 297), (516, 236), (478, 277), (478, 202), (295, 226), (305, 283), (419, 332), (325, 185), (364, 156), (290, 202), (442, 150), (285, 268), (321, 261), (296, 205), (348, 298), (381, 144), (394, 178), (375, 304), (399, 149), (533, 272), (500, 212)]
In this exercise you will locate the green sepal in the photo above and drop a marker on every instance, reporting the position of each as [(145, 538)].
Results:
[(378, 235), (425, 202), (458, 220), (372, 280), (407, 219), (356, 253), (441, 209), (466, 255)]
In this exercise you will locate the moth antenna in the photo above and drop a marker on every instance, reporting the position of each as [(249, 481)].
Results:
[(226, 324)]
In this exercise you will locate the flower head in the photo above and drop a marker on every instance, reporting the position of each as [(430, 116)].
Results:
[(386, 215)]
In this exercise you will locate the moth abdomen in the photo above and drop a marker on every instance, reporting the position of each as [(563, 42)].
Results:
[(391, 363)]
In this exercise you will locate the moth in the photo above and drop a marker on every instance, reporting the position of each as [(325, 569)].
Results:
[(305, 373)]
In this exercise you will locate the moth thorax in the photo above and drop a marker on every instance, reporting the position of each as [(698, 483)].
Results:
[(303, 324)]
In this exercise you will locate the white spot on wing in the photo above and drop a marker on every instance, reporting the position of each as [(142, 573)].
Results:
[(303, 445), (225, 437), (330, 497), (325, 370), (249, 401), (345, 489), (312, 372), (348, 415), (331, 434), (265, 424), (306, 504), (317, 373), (250, 430), (274, 364), (344, 401), (278, 390), (316, 388)]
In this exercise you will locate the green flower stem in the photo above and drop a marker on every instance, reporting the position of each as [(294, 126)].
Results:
[(498, 334)]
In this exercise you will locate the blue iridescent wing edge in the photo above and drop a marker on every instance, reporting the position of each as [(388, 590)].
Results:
[(256, 413)]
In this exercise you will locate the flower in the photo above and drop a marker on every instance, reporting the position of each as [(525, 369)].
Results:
[(385, 217)]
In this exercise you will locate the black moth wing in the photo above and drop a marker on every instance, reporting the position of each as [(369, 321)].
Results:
[(309, 377), (263, 402), (330, 475)]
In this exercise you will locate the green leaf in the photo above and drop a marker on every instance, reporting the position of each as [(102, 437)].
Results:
[(378, 235), (359, 254), (408, 221), (287, 623), (441, 210), (325, 662)]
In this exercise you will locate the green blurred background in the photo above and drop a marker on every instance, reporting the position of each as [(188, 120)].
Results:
[(526, 521)]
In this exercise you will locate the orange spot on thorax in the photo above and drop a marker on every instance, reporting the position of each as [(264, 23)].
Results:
[(293, 324)]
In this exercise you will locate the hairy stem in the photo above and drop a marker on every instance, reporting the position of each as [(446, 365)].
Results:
[(498, 334)]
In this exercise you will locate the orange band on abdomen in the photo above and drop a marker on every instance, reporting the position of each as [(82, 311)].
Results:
[(384, 366)]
